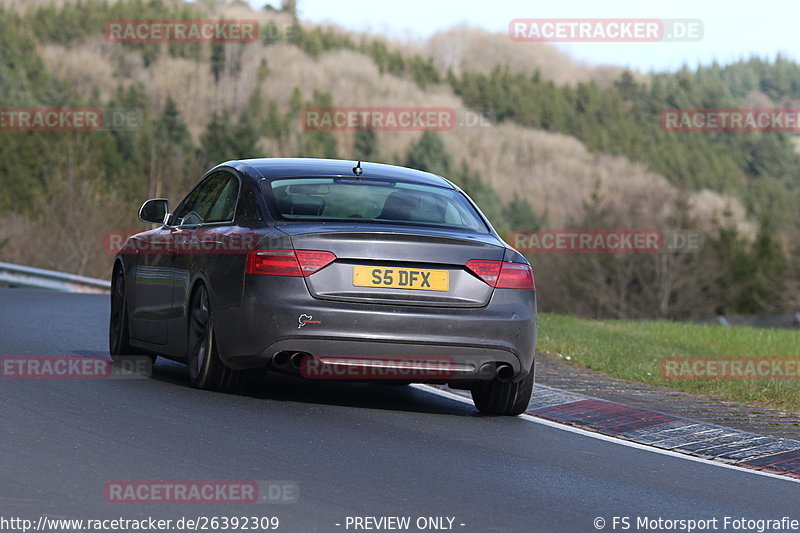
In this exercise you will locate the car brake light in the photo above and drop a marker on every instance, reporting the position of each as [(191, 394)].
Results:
[(516, 276), (488, 271), (311, 261), (503, 275), (300, 263)]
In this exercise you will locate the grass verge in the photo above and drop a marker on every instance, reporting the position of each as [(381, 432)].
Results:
[(637, 351)]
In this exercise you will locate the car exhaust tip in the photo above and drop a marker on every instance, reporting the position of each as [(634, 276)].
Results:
[(282, 360), (296, 360), (487, 372), (505, 373)]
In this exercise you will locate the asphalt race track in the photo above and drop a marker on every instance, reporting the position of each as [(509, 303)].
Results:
[(353, 449)]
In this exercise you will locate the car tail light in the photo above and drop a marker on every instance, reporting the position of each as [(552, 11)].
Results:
[(488, 271), (503, 275), (300, 263), (311, 261), (516, 276)]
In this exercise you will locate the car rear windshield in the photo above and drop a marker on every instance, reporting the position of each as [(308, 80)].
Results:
[(371, 201)]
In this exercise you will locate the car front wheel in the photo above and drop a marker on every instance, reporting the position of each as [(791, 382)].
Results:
[(118, 336)]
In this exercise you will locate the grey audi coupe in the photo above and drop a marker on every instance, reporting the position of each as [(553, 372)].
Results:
[(328, 269)]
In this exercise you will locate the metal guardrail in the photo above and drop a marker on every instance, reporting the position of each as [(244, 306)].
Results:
[(779, 321), (25, 276)]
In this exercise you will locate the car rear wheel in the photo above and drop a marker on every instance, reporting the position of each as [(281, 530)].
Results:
[(206, 369), (498, 398)]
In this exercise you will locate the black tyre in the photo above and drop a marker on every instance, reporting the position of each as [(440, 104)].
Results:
[(206, 369), (118, 334), (497, 398)]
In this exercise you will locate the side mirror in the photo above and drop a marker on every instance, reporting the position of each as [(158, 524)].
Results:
[(154, 211)]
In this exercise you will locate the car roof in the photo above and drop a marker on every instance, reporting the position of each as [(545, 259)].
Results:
[(273, 168)]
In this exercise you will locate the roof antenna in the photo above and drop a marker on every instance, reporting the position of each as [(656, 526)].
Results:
[(357, 169)]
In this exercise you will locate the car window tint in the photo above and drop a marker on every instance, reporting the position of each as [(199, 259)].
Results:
[(370, 201), (223, 209), (196, 208)]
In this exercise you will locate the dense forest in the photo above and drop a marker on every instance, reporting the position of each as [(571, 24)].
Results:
[(62, 190)]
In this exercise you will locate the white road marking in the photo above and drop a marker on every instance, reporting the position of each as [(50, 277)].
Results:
[(614, 440)]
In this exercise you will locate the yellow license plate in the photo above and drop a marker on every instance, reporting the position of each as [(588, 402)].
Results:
[(401, 278)]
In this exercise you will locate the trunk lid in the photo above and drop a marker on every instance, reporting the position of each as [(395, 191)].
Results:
[(395, 264)]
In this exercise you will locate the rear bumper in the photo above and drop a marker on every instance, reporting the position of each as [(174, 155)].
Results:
[(278, 314)]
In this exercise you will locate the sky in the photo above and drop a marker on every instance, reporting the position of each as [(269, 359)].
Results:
[(731, 29)]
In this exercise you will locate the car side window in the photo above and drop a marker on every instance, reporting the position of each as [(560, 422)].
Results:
[(225, 206), (214, 200)]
